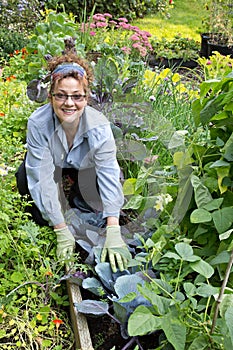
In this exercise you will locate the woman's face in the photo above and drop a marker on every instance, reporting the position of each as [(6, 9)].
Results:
[(68, 109)]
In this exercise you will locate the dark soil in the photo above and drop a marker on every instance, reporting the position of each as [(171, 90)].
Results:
[(105, 334)]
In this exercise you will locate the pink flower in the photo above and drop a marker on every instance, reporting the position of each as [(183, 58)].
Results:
[(108, 15), (208, 62), (136, 45), (98, 17), (124, 25), (134, 37), (147, 33), (112, 22), (101, 24), (126, 50), (123, 19), (92, 33)]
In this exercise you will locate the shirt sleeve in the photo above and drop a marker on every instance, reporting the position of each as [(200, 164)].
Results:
[(107, 169), (40, 175)]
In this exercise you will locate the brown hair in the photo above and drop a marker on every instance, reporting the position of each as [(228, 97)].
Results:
[(72, 58)]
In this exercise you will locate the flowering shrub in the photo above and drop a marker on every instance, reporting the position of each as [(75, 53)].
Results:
[(101, 32)]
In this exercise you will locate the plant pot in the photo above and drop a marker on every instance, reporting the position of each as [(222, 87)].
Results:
[(222, 49), (177, 63), (171, 62), (204, 44)]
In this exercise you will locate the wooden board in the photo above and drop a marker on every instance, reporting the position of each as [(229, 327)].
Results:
[(79, 322)]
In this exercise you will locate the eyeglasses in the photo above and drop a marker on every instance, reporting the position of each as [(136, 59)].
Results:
[(64, 97)]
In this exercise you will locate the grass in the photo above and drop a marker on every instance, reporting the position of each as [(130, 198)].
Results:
[(185, 18)]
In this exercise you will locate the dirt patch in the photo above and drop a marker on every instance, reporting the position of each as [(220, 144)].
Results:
[(105, 334)]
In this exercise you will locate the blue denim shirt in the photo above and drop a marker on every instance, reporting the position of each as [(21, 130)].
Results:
[(93, 146)]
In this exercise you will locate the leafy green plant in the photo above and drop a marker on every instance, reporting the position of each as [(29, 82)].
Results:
[(48, 39), (218, 22), (118, 9), (14, 16), (179, 47), (216, 66), (10, 41)]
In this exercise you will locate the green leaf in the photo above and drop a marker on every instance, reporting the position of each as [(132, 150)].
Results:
[(200, 216), (184, 250), (134, 203), (129, 297), (201, 192), (227, 302), (161, 304), (206, 290), (46, 343), (199, 343), (2, 333), (214, 204), (225, 235), (229, 321), (223, 219), (175, 331), (17, 277), (189, 288), (129, 186), (228, 149), (203, 268), (221, 258), (172, 256), (211, 108), (142, 322), (219, 164)]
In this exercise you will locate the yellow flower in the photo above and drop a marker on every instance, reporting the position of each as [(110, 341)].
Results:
[(164, 73), (181, 88), (159, 206), (176, 77)]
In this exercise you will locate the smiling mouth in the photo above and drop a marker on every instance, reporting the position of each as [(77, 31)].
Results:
[(69, 111)]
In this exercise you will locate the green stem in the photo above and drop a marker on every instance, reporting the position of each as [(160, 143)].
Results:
[(178, 277), (24, 284)]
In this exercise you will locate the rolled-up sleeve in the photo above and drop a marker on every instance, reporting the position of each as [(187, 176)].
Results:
[(103, 148), (40, 176)]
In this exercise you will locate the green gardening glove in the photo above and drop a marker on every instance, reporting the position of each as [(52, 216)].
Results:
[(115, 248), (65, 243)]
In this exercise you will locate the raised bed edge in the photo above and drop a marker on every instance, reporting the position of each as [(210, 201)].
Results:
[(79, 322)]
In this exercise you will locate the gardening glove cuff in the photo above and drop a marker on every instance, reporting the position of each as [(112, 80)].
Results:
[(65, 243), (115, 248)]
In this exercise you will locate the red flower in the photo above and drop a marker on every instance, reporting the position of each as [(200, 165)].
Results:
[(57, 322), (11, 78), (48, 273)]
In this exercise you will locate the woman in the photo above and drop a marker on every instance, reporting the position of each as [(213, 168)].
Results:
[(68, 136)]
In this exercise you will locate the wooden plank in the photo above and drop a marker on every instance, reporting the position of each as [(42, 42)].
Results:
[(79, 322)]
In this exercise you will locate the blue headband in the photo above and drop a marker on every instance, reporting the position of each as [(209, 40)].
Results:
[(65, 68)]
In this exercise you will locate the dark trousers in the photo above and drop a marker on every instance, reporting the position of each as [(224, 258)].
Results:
[(78, 189)]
